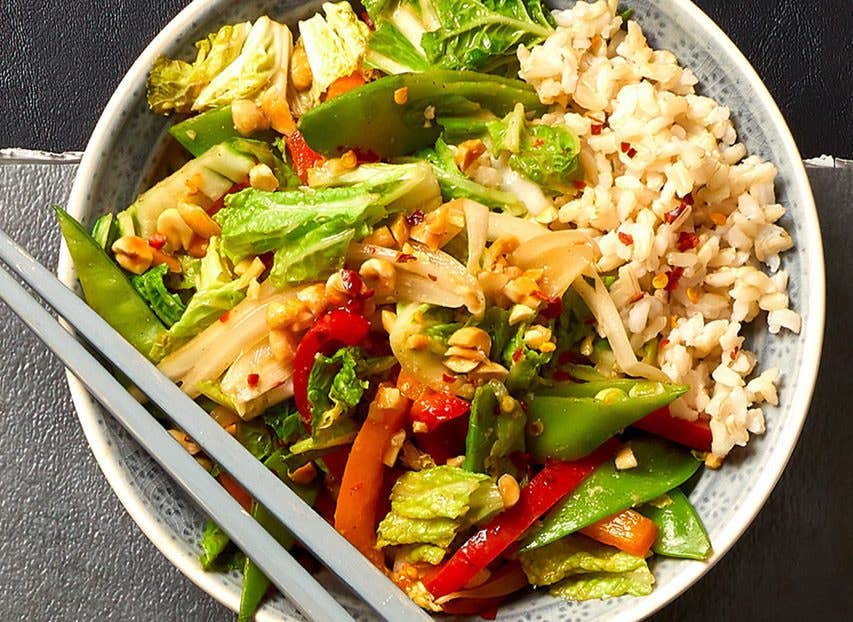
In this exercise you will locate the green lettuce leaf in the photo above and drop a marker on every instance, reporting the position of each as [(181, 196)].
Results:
[(334, 45), (310, 229), (174, 85), (168, 306), (416, 553), (285, 422), (430, 506), (255, 437), (263, 62), (545, 154), (602, 585), (334, 388), (455, 185), (573, 555)]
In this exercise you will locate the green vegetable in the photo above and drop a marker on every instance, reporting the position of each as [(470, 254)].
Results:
[(108, 291), (583, 569), (216, 292), (334, 45), (174, 85), (430, 506), (427, 553), (568, 428), (680, 530), (453, 34), (545, 154), (255, 584), (493, 432), (334, 387), (105, 230), (369, 120), (213, 542), (454, 184), (523, 361), (262, 64), (255, 437), (342, 432), (285, 422), (310, 230), (204, 179), (168, 306), (661, 466), (204, 131)]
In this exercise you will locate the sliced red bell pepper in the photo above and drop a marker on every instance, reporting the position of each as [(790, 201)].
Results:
[(694, 434), (433, 408), (628, 531), (447, 442), (303, 156), (550, 485), (332, 330)]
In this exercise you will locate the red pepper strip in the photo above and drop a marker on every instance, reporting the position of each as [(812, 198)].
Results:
[(446, 442), (303, 156), (550, 485), (330, 331), (433, 409), (693, 434)]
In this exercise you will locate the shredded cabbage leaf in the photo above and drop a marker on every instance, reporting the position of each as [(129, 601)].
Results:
[(168, 306)]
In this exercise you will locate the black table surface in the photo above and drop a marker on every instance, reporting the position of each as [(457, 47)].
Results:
[(62, 60)]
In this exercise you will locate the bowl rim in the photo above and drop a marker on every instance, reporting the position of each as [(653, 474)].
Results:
[(812, 310)]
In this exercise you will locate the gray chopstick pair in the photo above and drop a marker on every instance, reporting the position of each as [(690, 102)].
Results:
[(315, 534)]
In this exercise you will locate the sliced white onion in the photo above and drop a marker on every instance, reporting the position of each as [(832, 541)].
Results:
[(433, 265), (257, 360), (527, 192), (506, 225), (562, 255), (610, 324), (477, 226)]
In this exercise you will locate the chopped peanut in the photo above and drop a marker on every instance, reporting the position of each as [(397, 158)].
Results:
[(314, 297), (401, 95), (394, 446), (379, 275), (473, 338), (304, 475), (713, 461), (291, 314), (509, 490), (521, 313), (388, 319), (198, 220), (283, 344), (467, 152), (718, 218), (186, 442), (159, 257), (177, 233), (456, 461), (461, 365), (261, 177), (381, 237), (133, 254), (300, 70), (248, 117), (625, 458), (417, 342), (400, 230), (660, 280)]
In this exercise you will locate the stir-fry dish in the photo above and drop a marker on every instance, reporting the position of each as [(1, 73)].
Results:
[(469, 276)]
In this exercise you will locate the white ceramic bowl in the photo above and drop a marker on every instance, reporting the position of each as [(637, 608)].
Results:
[(127, 136)]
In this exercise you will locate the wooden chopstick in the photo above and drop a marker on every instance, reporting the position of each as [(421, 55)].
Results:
[(335, 552)]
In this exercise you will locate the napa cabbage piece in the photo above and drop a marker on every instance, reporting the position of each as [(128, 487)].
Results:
[(412, 35), (334, 386), (432, 505), (455, 184), (174, 85), (579, 568), (334, 45), (545, 154), (168, 306), (310, 230)]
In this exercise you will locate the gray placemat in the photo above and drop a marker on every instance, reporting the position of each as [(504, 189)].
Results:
[(69, 552)]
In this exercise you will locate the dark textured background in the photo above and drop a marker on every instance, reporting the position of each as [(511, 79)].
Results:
[(69, 552)]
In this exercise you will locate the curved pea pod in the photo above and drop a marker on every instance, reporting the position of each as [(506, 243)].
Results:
[(680, 530), (108, 291), (661, 466), (569, 428)]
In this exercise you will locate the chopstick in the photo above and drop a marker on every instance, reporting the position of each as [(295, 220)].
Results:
[(335, 552)]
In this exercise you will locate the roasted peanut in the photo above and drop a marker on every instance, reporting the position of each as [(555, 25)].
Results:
[(133, 254), (261, 177), (379, 275), (247, 116), (300, 70), (471, 337), (177, 233), (467, 152), (509, 490), (291, 314), (198, 220)]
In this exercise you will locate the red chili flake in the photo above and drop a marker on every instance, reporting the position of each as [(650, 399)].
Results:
[(590, 321), (523, 405), (157, 240), (432, 277), (664, 342), (672, 215), (595, 129), (448, 378), (636, 297), (252, 380), (553, 308), (566, 357), (415, 218), (631, 152), (687, 240), (405, 258), (538, 142), (688, 198), (366, 19), (674, 277), (625, 238), (517, 355), (580, 184), (735, 351), (224, 316), (624, 147), (562, 376), (352, 283)]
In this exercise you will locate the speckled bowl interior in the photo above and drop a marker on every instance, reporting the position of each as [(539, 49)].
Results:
[(114, 169)]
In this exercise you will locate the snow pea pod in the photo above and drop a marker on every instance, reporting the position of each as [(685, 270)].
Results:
[(680, 530), (495, 430), (199, 133), (661, 466), (108, 291), (568, 428), (255, 583)]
